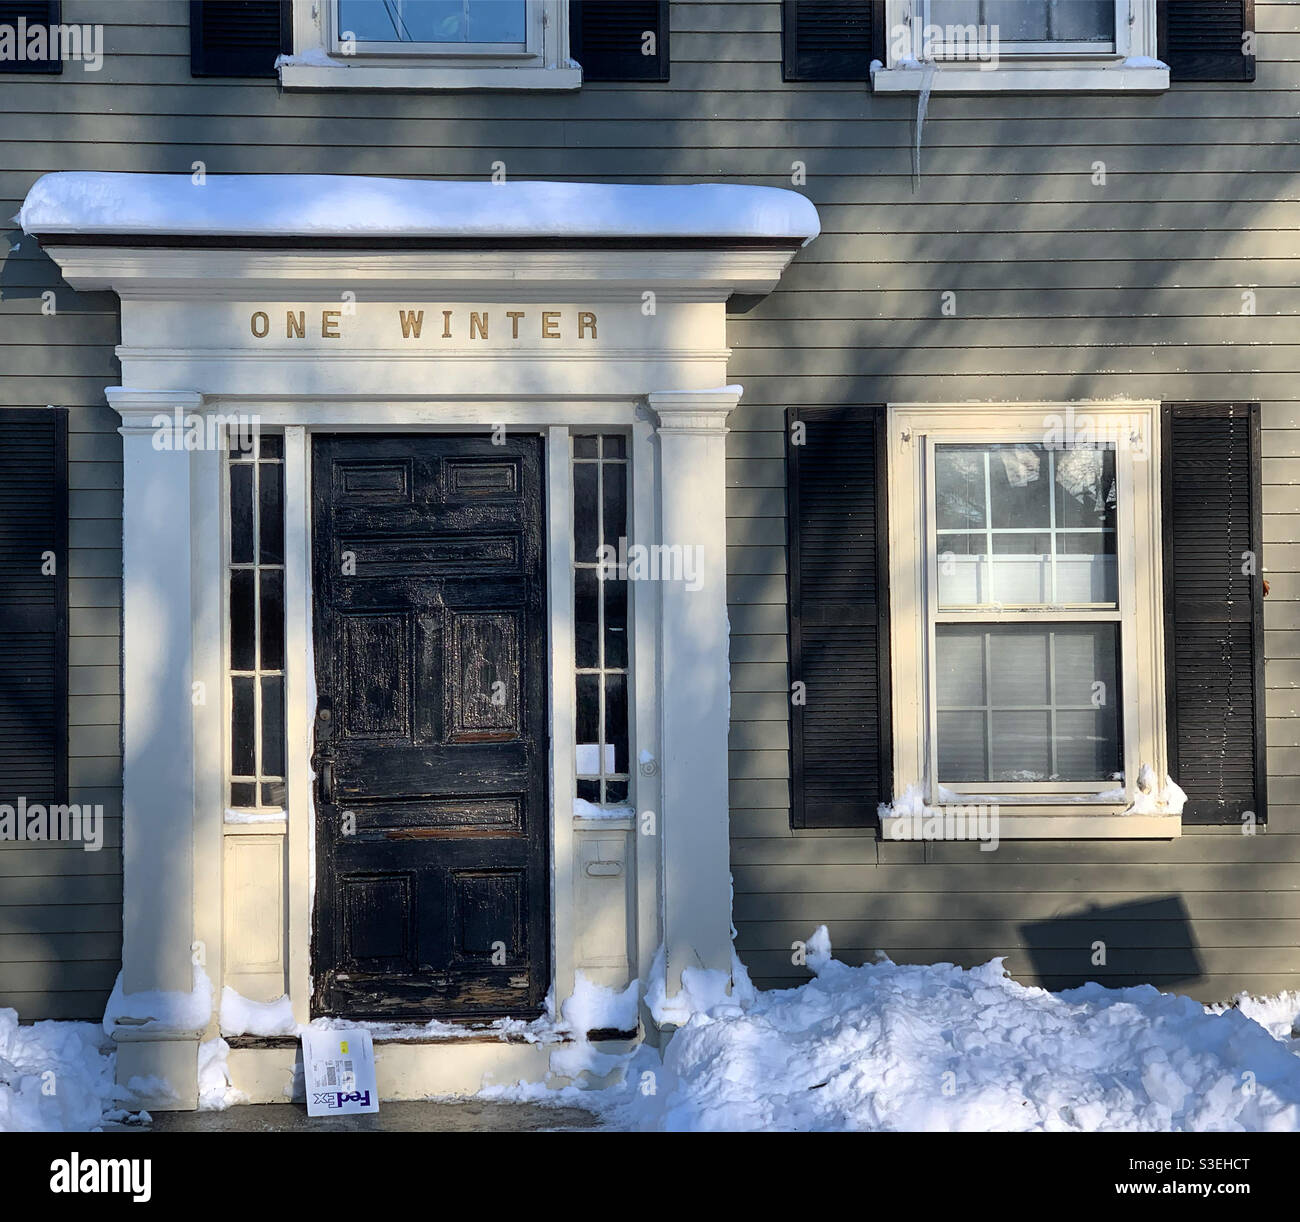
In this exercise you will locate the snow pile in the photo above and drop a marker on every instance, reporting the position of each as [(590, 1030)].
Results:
[(54, 1076), (592, 1007), (216, 1091), (79, 201), (702, 992), (161, 1008), (1278, 1015), (239, 1016), (939, 1048)]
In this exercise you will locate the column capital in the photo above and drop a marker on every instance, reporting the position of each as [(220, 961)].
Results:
[(694, 411), (139, 408)]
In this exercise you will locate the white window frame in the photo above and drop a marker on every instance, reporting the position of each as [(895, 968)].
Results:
[(1129, 66), (320, 60), (1031, 808)]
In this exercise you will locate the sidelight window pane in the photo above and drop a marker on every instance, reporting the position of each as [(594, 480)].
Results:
[(1027, 702), (270, 520), (241, 512), (600, 492), (243, 620)]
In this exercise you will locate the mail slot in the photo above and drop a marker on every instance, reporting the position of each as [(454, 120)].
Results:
[(604, 869)]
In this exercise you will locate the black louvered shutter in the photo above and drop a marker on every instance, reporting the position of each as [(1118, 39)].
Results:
[(238, 37), (33, 605), (832, 40), (32, 12), (1214, 618), (609, 39), (841, 745), (1206, 40)]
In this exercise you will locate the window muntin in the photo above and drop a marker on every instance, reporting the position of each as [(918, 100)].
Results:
[(1034, 27), (435, 27), (1025, 645), (599, 467), (255, 602)]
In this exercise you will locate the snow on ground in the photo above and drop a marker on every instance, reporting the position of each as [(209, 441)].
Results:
[(882, 1047), (938, 1048), (54, 1076)]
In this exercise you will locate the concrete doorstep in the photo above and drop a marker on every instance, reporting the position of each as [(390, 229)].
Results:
[(424, 1116)]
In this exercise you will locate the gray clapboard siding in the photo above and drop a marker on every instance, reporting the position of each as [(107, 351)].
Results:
[(1065, 290)]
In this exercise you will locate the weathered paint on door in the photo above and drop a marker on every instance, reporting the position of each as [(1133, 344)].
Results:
[(430, 740)]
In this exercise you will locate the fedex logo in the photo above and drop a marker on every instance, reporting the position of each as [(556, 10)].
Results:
[(337, 1098)]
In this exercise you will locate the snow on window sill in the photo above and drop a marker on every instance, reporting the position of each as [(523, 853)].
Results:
[(1137, 75), (315, 69)]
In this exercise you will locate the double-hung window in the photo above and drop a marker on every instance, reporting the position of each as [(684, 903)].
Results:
[(988, 45), (431, 44), (1025, 581)]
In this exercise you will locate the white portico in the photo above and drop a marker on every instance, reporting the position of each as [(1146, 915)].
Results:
[(314, 307)]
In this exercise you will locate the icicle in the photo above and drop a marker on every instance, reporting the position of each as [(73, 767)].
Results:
[(922, 105)]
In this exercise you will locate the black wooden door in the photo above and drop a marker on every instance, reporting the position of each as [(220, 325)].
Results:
[(432, 888)]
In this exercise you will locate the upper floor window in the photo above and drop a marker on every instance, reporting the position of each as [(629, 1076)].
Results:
[(1000, 45), (438, 27), (431, 44)]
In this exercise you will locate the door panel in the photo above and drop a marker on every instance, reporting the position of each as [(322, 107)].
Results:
[(432, 896)]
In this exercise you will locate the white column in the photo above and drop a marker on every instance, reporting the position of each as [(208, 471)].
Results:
[(158, 749), (695, 699), (559, 591)]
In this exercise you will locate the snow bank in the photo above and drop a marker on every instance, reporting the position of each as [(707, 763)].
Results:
[(939, 1048), (340, 204), (54, 1076)]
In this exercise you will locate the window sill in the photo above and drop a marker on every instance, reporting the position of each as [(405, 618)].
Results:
[(1116, 78), (1049, 823), (322, 72)]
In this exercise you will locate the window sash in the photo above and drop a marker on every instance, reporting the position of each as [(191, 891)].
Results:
[(530, 47), (1039, 48)]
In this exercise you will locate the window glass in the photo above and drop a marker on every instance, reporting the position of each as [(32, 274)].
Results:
[(1033, 20), (1024, 525), (1026, 702), (434, 21)]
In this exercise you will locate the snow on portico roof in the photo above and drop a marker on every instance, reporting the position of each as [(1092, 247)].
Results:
[(325, 206)]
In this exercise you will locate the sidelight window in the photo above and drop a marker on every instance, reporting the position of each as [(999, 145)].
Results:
[(255, 600), (599, 466)]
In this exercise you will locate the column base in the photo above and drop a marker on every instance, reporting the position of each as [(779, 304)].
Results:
[(160, 1068)]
